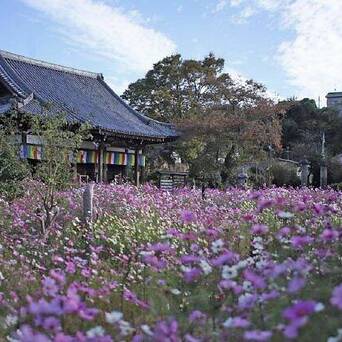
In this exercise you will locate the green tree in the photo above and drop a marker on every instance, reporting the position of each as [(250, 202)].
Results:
[(224, 120), (303, 127), (60, 141), (12, 169)]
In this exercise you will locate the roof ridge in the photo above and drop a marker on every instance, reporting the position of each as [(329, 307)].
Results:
[(54, 66)]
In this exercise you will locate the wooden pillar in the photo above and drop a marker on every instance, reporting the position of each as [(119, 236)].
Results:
[(304, 172), (142, 173), (100, 163), (323, 175), (136, 167)]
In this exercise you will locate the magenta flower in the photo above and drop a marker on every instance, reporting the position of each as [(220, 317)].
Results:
[(50, 287), (299, 242), (26, 334), (189, 259), (88, 314), (259, 229), (192, 275), (166, 331), (160, 247), (291, 330), (329, 235), (257, 281), (70, 267), (197, 315), (264, 204), (301, 309), (51, 323), (295, 285), (224, 258), (336, 298), (187, 216), (153, 261)]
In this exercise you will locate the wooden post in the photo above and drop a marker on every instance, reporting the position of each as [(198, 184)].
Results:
[(101, 163), (304, 172), (136, 167), (323, 179), (88, 195), (142, 173)]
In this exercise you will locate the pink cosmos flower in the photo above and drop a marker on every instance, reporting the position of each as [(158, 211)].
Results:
[(166, 331), (187, 216), (197, 315), (295, 285), (329, 235), (299, 242), (336, 298), (192, 275), (189, 259), (259, 229), (225, 258), (301, 309), (257, 281)]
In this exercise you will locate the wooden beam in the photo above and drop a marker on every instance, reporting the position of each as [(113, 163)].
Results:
[(100, 163), (136, 167)]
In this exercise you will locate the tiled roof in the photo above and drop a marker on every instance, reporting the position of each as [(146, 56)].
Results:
[(334, 94), (83, 96)]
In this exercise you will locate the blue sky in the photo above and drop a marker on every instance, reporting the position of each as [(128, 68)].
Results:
[(294, 47)]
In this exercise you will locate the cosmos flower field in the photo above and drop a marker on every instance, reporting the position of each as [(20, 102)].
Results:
[(239, 265)]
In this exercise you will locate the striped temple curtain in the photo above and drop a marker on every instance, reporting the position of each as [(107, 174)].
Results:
[(88, 156), (120, 158), (31, 152)]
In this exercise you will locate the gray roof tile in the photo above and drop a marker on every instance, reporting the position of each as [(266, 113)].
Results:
[(83, 96)]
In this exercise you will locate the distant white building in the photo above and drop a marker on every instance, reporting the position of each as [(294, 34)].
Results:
[(334, 100)]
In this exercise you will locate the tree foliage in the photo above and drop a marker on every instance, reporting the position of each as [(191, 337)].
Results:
[(224, 121), (12, 169), (303, 127)]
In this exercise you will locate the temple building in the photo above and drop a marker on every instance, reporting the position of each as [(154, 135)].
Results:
[(119, 132), (334, 100)]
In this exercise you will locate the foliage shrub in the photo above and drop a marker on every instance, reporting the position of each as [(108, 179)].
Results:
[(284, 175)]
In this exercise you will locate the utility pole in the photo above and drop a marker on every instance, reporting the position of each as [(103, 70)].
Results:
[(323, 174)]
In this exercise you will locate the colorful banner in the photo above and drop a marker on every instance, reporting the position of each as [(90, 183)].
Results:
[(123, 159), (87, 157), (31, 152)]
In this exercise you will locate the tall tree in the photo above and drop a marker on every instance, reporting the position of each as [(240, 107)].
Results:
[(224, 120), (303, 127)]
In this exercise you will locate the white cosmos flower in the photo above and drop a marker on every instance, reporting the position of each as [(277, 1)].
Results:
[(176, 292), (11, 320), (96, 331), (229, 272), (285, 215), (113, 317), (247, 286), (228, 323), (217, 245), (319, 307), (125, 328), (146, 329), (206, 268), (337, 338)]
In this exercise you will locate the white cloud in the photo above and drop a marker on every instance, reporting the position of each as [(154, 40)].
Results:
[(242, 17), (312, 58), (241, 79), (107, 31), (117, 84)]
